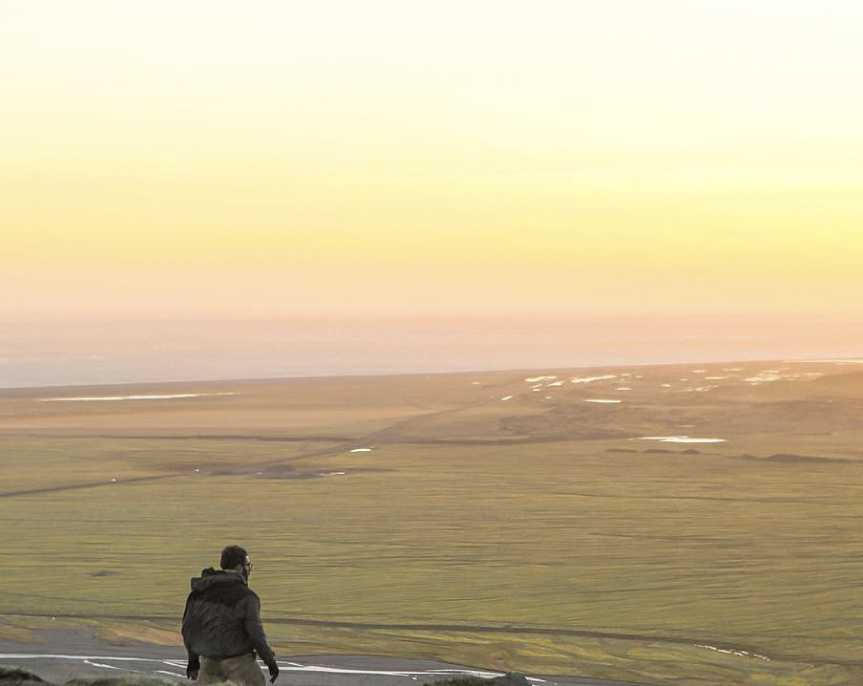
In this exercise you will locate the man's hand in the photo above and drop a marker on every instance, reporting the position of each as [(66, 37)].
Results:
[(192, 669), (274, 672)]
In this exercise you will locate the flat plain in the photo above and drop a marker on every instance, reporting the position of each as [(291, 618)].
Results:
[(674, 524)]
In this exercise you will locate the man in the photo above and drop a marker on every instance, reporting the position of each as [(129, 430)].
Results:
[(222, 625)]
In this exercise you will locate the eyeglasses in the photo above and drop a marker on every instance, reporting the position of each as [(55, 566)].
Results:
[(248, 564)]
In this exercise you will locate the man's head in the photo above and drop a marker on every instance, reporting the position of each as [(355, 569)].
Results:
[(236, 559)]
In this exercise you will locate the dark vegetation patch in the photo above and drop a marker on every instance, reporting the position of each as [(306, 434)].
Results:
[(621, 450), (21, 677), (791, 458), (509, 679), (104, 572), (18, 677), (567, 422), (658, 450), (462, 681), (516, 440), (314, 473)]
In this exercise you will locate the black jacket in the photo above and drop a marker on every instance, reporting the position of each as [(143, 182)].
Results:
[(223, 618)]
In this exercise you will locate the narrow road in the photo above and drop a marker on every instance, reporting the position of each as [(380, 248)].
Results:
[(64, 654)]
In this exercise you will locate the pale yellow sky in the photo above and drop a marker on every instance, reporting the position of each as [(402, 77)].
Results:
[(272, 158)]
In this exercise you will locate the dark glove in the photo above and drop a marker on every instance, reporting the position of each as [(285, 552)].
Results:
[(192, 668), (274, 672)]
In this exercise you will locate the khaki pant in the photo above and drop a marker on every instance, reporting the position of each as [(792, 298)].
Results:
[(242, 670)]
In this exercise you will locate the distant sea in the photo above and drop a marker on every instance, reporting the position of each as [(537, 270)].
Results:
[(95, 352)]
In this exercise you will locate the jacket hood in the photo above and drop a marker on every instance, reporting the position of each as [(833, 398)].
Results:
[(211, 577)]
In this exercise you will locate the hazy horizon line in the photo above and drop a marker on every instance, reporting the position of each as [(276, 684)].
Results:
[(838, 359)]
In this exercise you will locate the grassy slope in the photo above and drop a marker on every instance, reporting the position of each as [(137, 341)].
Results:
[(551, 528)]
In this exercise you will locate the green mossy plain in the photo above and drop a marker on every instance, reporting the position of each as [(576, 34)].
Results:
[(543, 556)]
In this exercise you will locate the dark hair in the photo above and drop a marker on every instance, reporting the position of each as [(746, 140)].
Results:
[(232, 556)]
